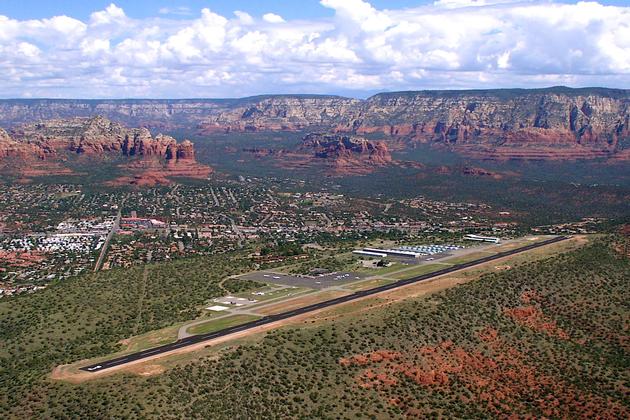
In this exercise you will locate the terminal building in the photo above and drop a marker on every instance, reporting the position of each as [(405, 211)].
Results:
[(395, 252), (383, 253), (479, 238), (370, 253)]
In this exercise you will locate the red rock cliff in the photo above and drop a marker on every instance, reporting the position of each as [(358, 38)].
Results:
[(343, 151), (97, 136)]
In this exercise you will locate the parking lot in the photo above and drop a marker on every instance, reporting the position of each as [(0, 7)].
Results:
[(314, 282)]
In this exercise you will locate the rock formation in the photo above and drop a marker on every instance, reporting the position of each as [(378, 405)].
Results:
[(259, 152), (346, 154), (289, 113), (97, 137), (551, 123), (26, 160), (9, 148)]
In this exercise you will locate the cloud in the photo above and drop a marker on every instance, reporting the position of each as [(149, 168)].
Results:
[(178, 11), (359, 50), (244, 18), (454, 4), (28, 50), (111, 14), (272, 18)]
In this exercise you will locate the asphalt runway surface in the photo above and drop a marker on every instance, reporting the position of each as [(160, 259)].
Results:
[(189, 341)]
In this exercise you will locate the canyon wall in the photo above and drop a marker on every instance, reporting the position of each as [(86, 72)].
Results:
[(517, 124), (504, 123)]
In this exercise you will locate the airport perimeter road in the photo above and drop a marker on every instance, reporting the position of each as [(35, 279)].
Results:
[(195, 339)]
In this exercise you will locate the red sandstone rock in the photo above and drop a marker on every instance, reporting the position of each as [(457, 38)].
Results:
[(154, 159), (347, 154)]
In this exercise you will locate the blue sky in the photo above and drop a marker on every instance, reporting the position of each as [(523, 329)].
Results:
[(292, 9), (212, 48)]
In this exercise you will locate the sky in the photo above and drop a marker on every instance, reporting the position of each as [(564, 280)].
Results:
[(213, 48)]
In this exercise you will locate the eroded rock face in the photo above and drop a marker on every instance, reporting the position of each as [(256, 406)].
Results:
[(185, 151), (336, 146), (96, 137), (277, 113), (4, 136), (347, 151), (506, 123), (554, 123), (549, 123), (9, 148)]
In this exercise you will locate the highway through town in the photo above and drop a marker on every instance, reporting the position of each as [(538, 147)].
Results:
[(108, 239), (189, 341)]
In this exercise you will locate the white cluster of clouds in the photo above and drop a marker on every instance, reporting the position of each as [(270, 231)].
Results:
[(448, 44)]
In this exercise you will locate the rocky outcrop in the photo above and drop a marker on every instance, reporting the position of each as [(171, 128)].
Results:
[(473, 171), (99, 137), (336, 146), (25, 160), (270, 112), (277, 113), (9, 148), (132, 112), (185, 151), (546, 123), (350, 154), (554, 123)]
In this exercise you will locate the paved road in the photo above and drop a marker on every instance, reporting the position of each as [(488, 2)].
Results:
[(311, 308), (108, 239)]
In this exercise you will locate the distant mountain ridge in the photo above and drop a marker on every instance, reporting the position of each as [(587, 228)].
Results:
[(556, 122)]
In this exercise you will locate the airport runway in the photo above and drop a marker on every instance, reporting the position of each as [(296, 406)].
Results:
[(317, 306)]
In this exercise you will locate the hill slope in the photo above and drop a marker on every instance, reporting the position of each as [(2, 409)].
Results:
[(542, 339)]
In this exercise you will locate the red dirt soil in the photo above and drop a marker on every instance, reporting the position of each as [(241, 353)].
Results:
[(500, 379), (532, 316), (21, 258)]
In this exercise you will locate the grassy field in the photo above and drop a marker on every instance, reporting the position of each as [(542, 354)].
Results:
[(161, 336), (151, 339), (299, 302), (271, 294), (221, 323), (517, 244), (381, 271), (418, 271), (470, 257), (367, 284)]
